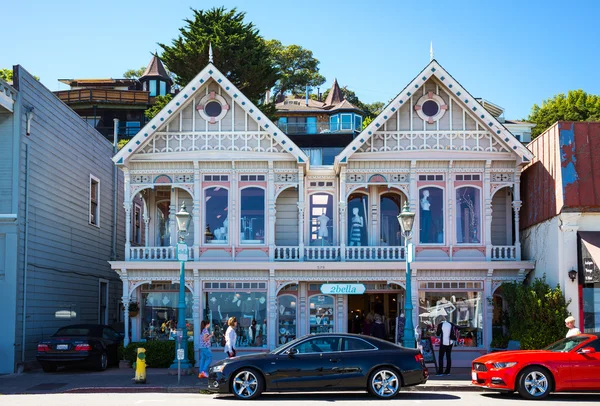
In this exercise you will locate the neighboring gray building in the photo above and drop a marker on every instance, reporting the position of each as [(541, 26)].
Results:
[(58, 225)]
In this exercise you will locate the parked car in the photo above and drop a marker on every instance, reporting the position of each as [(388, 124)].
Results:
[(571, 364), (81, 344), (322, 362)]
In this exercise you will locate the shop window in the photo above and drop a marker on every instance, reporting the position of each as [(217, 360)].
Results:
[(431, 215), (357, 220), (591, 308), (321, 316), (465, 309), (159, 312), (390, 233), (246, 307), (286, 315), (468, 215), (252, 216), (163, 230), (216, 203), (321, 216)]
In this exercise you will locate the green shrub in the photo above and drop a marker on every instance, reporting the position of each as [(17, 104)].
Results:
[(159, 354), (536, 313)]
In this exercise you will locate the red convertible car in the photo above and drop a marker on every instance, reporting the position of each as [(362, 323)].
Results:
[(569, 365)]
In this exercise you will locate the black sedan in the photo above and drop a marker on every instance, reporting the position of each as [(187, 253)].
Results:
[(322, 362), (82, 344)]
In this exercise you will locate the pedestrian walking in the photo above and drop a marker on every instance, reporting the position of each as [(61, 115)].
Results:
[(230, 337), (447, 333), (570, 323), (205, 354)]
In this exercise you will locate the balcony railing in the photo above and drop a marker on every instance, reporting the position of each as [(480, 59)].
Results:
[(375, 253), (504, 253), (317, 128), (155, 254), (105, 96)]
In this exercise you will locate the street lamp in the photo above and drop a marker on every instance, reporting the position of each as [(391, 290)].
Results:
[(183, 222), (406, 220)]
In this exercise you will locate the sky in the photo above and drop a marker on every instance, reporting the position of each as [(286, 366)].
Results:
[(512, 53)]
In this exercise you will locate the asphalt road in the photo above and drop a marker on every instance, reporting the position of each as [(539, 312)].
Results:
[(407, 398)]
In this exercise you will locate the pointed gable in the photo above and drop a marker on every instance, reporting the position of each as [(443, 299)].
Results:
[(211, 115), (335, 95), (458, 122), (156, 69)]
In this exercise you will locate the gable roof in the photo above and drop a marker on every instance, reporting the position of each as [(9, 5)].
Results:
[(335, 95), (175, 105), (456, 90), (156, 69)]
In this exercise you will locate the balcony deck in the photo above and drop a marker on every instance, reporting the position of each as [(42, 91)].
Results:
[(127, 97)]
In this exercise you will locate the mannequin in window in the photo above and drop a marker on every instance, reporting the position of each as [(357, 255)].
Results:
[(221, 232), (322, 233), (356, 228), (425, 218)]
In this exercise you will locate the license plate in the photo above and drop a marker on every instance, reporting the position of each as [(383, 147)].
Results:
[(474, 375), (62, 347)]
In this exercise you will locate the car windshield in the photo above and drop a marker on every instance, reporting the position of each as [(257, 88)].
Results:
[(73, 331), (566, 344), (287, 345)]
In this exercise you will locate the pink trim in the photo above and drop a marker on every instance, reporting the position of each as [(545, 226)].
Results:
[(425, 183), (444, 107), (417, 107), (441, 248), (252, 183), (430, 121), (211, 183), (462, 183), (225, 107), (200, 107), (211, 95), (430, 95)]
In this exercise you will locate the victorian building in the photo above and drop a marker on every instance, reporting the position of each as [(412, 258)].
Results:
[(307, 248)]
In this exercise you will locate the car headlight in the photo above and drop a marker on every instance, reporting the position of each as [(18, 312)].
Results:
[(218, 368), (500, 365)]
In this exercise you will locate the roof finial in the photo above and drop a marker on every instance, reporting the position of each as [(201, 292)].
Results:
[(210, 54), (431, 51)]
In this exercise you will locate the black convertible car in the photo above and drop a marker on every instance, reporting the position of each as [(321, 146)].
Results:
[(322, 362), (92, 345)]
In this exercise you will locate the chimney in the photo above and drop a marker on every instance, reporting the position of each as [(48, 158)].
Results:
[(307, 95), (319, 93)]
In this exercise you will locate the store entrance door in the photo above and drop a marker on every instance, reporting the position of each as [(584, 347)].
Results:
[(375, 314)]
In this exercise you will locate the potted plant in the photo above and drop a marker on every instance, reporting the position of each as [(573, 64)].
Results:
[(134, 308)]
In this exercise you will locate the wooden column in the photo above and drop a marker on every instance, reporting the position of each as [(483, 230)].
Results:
[(198, 232), (301, 206), (197, 313), (272, 300), (516, 204), (127, 206), (271, 210), (125, 300), (342, 223), (487, 210)]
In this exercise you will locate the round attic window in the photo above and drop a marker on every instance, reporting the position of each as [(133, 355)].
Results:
[(212, 107), (431, 107)]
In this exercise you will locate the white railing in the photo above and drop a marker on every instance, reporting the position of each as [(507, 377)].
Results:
[(156, 253), (321, 253), (375, 253), (287, 253), (504, 253)]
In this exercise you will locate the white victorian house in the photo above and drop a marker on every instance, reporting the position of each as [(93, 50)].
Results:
[(269, 229)]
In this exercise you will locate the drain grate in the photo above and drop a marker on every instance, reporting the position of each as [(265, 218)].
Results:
[(46, 387)]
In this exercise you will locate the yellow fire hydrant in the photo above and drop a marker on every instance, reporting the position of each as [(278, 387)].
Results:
[(140, 366)]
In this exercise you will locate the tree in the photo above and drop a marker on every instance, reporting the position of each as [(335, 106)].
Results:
[(134, 73), (297, 68), (237, 47), (159, 103), (371, 110), (577, 105), (6, 74)]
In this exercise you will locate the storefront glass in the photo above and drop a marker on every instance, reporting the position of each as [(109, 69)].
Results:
[(245, 306), (591, 308), (216, 222), (431, 215), (252, 216), (358, 204), (159, 311), (321, 219), (321, 316), (468, 215), (286, 316), (465, 309)]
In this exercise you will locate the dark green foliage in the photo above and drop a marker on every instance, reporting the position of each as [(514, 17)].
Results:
[(577, 105), (238, 49), (159, 103), (159, 354), (535, 313)]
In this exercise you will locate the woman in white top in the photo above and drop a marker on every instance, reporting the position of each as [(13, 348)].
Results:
[(570, 323), (230, 338)]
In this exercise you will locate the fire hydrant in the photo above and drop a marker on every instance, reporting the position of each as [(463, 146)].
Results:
[(140, 366)]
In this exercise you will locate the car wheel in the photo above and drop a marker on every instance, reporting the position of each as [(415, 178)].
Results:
[(102, 362), (49, 367), (535, 383), (385, 383), (247, 384)]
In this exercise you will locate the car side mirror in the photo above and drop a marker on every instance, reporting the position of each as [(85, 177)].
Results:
[(292, 351), (587, 350)]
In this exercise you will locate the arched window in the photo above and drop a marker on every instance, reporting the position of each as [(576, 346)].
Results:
[(390, 205), (431, 215), (252, 216), (216, 223), (321, 219), (163, 231), (358, 205), (468, 215)]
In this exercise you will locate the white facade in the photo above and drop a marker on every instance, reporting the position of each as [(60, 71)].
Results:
[(291, 228)]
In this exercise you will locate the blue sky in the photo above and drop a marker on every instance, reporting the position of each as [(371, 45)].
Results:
[(513, 53)]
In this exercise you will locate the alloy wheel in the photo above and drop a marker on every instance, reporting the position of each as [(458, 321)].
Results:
[(245, 384), (385, 383), (536, 383)]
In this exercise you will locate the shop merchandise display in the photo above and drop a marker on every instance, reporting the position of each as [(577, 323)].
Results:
[(321, 314), (287, 318)]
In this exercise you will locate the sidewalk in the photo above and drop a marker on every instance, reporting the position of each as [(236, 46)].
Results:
[(115, 380)]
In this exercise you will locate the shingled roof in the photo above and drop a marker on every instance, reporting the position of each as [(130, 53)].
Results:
[(156, 69), (335, 101)]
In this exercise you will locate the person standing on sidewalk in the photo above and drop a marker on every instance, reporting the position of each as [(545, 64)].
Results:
[(205, 354), (230, 338), (445, 330)]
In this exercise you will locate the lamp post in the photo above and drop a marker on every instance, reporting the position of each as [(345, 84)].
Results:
[(406, 219), (183, 221)]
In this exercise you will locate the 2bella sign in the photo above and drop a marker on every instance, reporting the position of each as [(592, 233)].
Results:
[(343, 289)]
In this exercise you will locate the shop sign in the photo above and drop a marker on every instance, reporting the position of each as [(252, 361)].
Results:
[(589, 271), (343, 288), (182, 252)]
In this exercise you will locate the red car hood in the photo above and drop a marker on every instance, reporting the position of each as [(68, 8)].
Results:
[(504, 356)]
